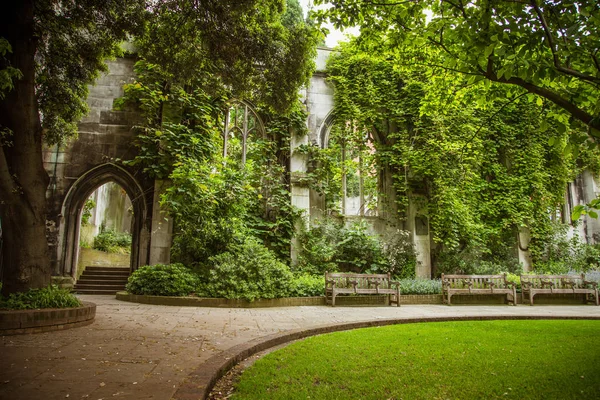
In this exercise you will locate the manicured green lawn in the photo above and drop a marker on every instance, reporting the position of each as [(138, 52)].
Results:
[(446, 360)]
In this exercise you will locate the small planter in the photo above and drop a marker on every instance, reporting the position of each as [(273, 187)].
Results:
[(15, 322)]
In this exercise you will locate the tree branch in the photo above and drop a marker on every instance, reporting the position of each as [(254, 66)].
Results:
[(554, 97), (552, 45)]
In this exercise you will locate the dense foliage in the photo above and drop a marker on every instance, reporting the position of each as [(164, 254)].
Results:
[(248, 271), (482, 171), (48, 297), (162, 280), (111, 241), (541, 47), (329, 246)]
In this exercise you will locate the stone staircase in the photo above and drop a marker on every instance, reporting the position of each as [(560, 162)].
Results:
[(102, 280)]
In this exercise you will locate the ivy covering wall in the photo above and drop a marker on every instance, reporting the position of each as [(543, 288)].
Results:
[(486, 168)]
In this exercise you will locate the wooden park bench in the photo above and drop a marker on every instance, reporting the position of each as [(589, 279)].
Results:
[(555, 284), (478, 284), (350, 283)]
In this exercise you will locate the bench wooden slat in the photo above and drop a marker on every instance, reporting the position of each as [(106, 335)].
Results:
[(477, 284), (533, 284), (353, 283)]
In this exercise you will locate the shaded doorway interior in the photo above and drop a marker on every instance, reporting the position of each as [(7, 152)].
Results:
[(105, 240)]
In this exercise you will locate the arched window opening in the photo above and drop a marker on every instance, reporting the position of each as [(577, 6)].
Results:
[(352, 174), (242, 129)]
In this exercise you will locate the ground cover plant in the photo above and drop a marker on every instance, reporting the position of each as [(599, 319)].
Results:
[(48, 297), (462, 360), (111, 241)]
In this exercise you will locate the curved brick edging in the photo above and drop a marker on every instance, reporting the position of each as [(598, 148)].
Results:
[(281, 302), (200, 382), (15, 322)]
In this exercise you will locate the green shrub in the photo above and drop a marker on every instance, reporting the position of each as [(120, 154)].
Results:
[(306, 285), (475, 261), (318, 247), (399, 255), (551, 267), (358, 251), (113, 242), (329, 246), (162, 280), (248, 271), (49, 297), (420, 286), (516, 279)]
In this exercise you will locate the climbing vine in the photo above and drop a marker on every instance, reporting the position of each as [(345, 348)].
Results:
[(486, 168)]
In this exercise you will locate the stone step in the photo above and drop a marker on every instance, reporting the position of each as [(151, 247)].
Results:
[(88, 280), (115, 286), (96, 268), (103, 277), (96, 291)]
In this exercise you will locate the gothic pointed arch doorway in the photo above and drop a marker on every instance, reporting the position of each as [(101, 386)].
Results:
[(74, 203)]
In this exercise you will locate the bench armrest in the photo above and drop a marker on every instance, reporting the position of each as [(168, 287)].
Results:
[(594, 284)]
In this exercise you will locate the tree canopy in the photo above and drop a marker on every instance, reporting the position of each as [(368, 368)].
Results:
[(545, 48), (50, 50)]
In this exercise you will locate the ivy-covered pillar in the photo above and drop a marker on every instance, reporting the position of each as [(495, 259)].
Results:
[(161, 235), (299, 191)]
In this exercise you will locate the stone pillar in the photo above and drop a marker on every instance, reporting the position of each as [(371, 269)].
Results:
[(161, 234), (523, 239), (590, 192), (418, 225)]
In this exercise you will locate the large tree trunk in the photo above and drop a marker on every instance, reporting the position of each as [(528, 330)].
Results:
[(23, 179)]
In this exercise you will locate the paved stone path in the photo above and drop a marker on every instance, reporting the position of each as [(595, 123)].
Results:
[(136, 351)]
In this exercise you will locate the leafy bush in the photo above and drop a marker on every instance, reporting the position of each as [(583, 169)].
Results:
[(248, 271), (516, 279), (113, 242), (306, 285), (400, 256), (162, 280), (318, 247), (420, 286), (551, 267), (329, 246), (358, 251), (477, 261), (49, 297)]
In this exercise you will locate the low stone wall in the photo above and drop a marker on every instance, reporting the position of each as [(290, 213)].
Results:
[(15, 322), (283, 302)]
